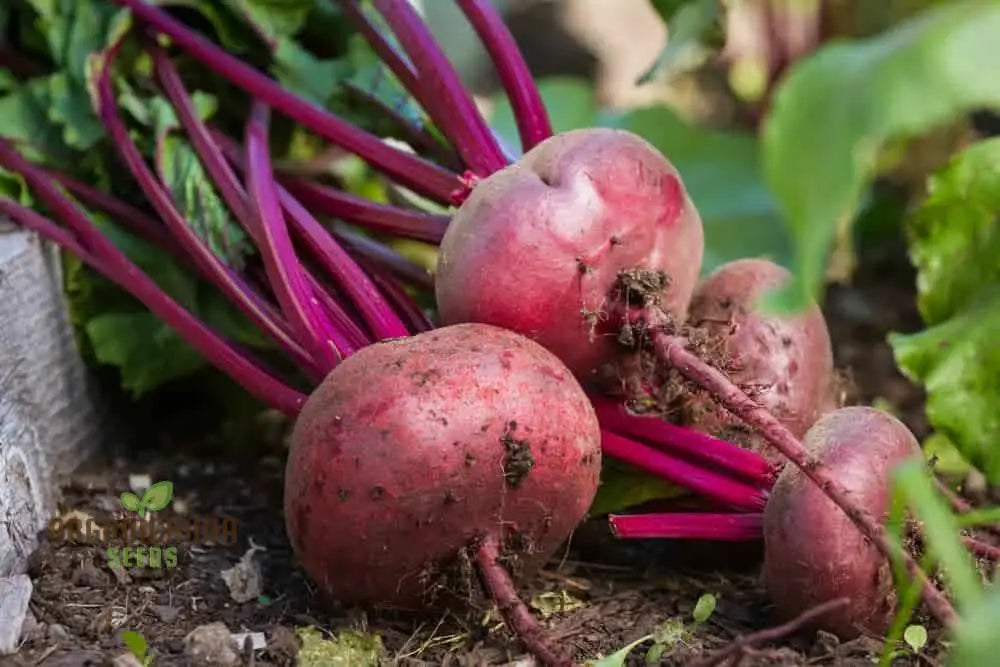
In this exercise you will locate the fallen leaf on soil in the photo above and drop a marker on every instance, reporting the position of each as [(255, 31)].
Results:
[(552, 602), (244, 578), (351, 649)]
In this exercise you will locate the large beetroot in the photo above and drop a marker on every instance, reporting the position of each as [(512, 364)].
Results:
[(412, 450), (538, 246)]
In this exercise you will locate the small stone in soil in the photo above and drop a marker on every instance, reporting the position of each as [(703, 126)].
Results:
[(211, 645), (165, 613), (57, 632)]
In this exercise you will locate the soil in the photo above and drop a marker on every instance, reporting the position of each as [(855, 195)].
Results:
[(622, 591)]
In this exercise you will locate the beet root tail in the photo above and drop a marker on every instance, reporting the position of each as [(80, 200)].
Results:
[(515, 613)]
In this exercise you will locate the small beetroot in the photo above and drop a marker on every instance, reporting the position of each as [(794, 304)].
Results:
[(785, 362), (813, 552)]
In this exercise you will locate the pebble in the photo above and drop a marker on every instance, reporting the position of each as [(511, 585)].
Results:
[(57, 633), (211, 645), (165, 613)]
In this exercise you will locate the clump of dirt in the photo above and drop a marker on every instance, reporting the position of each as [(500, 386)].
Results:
[(518, 460)]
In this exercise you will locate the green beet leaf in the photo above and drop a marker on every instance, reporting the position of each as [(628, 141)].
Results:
[(693, 27), (840, 105), (272, 19), (954, 242)]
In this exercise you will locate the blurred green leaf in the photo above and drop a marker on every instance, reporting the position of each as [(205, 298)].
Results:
[(945, 456), (704, 608), (305, 74), (667, 8), (273, 19), (135, 643), (619, 657), (954, 238), (912, 481), (722, 174), (690, 24), (954, 241), (73, 29), (958, 362), (69, 108), (143, 348), (976, 641), (570, 103), (837, 107), (623, 486), (24, 116)]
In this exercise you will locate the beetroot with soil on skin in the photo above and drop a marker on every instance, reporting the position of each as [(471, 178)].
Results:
[(538, 246), (785, 362), (412, 449), (813, 551)]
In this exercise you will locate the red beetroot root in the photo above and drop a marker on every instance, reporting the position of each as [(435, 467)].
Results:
[(814, 553), (414, 449), (538, 246), (786, 363)]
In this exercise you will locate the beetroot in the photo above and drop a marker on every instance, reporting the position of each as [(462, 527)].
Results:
[(786, 363), (814, 552), (538, 246), (412, 449)]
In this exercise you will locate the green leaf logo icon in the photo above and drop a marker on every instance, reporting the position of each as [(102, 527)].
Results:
[(154, 499), (158, 496), (130, 501)]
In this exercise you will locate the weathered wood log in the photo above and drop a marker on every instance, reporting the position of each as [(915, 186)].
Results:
[(49, 422)]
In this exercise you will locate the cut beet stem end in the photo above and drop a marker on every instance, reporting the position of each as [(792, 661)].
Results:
[(679, 526)]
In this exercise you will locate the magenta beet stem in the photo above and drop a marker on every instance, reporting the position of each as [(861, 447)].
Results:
[(375, 310), (106, 259), (712, 485), (379, 254), (261, 313), (404, 304), (533, 124), (412, 172), (364, 213), (722, 527), (666, 436), (464, 125), (283, 268)]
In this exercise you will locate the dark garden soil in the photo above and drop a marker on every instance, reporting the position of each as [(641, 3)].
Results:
[(621, 591)]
